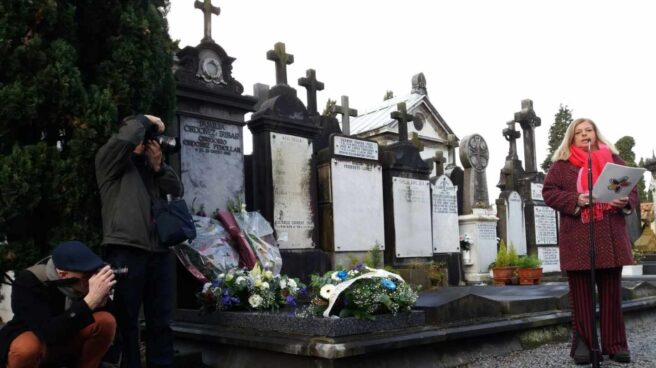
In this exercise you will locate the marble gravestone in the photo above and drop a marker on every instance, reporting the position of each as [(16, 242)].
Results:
[(210, 120), (446, 237), (351, 199), (406, 188), (283, 173), (515, 231), (479, 221), (545, 231)]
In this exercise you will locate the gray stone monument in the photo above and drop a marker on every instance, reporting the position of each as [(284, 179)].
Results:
[(210, 119), (283, 184), (346, 112), (453, 171), (541, 224), (446, 235), (406, 187), (350, 199), (512, 227), (478, 221)]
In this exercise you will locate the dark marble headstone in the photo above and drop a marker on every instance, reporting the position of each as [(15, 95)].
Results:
[(406, 190), (284, 174)]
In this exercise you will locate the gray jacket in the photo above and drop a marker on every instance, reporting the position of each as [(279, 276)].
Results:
[(128, 186)]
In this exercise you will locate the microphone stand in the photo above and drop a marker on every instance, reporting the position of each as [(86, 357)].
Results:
[(595, 352)]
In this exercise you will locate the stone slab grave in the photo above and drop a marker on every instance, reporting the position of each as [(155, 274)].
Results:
[(350, 199)]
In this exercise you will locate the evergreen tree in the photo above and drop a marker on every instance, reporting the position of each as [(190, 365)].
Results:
[(69, 70), (556, 133), (625, 146)]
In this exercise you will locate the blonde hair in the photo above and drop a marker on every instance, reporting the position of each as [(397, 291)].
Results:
[(563, 153)]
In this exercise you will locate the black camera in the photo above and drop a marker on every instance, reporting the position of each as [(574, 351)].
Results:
[(166, 143), (120, 272)]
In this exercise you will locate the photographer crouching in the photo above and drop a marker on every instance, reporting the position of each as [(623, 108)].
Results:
[(58, 311), (132, 176)]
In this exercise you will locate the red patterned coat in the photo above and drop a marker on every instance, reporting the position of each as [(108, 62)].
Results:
[(612, 245)]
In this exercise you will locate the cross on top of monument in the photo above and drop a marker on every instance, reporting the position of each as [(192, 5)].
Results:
[(527, 117), (403, 118), (208, 10), (346, 112), (312, 85), (511, 136), (282, 59), (439, 163)]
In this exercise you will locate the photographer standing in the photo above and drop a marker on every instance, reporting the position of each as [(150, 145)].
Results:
[(58, 317), (131, 177)]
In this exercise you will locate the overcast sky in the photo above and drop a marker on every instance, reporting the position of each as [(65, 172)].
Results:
[(480, 58)]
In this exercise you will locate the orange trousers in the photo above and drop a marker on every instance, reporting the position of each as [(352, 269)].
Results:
[(86, 349)]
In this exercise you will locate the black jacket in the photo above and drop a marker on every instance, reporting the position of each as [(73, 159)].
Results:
[(128, 186), (39, 307)]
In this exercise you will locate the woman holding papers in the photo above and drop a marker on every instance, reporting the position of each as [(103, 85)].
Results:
[(566, 190)]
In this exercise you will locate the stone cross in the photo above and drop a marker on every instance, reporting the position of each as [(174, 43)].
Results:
[(511, 136), (346, 112), (439, 163), (208, 10), (474, 155), (528, 121), (403, 118), (312, 85), (451, 144), (282, 59)]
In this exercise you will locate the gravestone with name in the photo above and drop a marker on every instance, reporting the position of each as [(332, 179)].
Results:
[(350, 199), (541, 224), (479, 220), (283, 184), (210, 119), (446, 235), (406, 188), (209, 123)]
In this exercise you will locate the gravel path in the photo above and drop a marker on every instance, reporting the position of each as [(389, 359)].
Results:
[(642, 343)]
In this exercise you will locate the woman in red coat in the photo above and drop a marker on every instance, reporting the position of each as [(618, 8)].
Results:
[(566, 190)]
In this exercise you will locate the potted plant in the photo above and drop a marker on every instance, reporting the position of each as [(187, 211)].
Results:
[(530, 270), (503, 272)]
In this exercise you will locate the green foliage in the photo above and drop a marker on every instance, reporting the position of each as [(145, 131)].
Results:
[(513, 259), (625, 146), (529, 262), (374, 258), (68, 71), (556, 133), (502, 259), (388, 95), (329, 110)]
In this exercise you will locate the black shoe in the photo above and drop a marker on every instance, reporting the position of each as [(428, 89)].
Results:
[(621, 357)]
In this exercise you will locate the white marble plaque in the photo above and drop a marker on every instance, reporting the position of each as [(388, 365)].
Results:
[(358, 215), (546, 231), (212, 161), (487, 231), (536, 192), (356, 148), (516, 229), (550, 258), (446, 235), (412, 217), (292, 206)]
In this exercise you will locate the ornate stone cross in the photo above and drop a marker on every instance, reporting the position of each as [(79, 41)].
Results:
[(403, 118), (346, 112), (528, 121), (511, 136), (282, 59), (312, 85), (208, 10)]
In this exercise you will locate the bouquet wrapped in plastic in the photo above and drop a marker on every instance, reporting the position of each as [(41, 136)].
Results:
[(259, 234)]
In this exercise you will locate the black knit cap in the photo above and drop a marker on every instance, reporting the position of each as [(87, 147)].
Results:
[(75, 256)]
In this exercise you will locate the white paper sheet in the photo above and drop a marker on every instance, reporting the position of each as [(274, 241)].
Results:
[(615, 181)]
